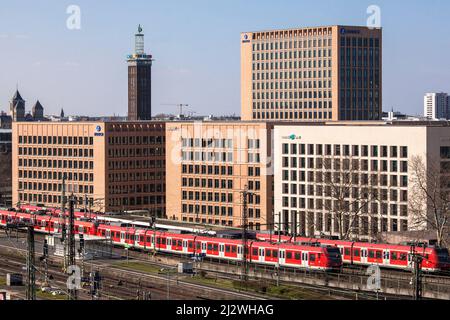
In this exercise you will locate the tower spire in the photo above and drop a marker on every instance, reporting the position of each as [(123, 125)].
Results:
[(139, 41)]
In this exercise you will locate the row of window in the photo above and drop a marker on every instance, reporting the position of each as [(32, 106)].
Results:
[(60, 152), (292, 44), (136, 176), (137, 188), (292, 115), (53, 175), (346, 164), (345, 150), (56, 140), (136, 140), (136, 164), (135, 152), (65, 164)]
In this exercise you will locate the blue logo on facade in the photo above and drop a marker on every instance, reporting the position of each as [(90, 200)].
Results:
[(98, 128)]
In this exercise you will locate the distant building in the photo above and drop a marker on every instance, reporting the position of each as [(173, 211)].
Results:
[(5, 121), (5, 167), (139, 82), (17, 110), (436, 106), (17, 107)]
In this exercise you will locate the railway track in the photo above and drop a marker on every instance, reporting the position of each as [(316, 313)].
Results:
[(389, 278)]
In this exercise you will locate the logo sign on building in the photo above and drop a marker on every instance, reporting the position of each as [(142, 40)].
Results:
[(292, 137), (98, 131), (345, 31), (246, 39)]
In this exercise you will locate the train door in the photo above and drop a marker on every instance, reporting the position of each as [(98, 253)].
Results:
[(122, 237), (305, 259), (203, 247), (364, 255), (108, 234), (282, 257), (185, 246), (261, 255), (386, 258), (169, 244), (221, 251)]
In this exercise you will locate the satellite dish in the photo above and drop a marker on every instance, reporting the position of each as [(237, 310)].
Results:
[(140, 29)]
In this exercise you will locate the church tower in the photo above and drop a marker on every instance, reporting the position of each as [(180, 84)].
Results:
[(139, 81), (17, 107)]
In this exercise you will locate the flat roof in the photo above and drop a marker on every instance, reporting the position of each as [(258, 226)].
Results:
[(311, 27)]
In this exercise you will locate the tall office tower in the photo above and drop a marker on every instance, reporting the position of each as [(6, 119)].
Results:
[(436, 106), (312, 74), (139, 81)]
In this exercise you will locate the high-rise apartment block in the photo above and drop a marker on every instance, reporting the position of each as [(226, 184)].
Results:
[(313, 74), (437, 106), (116, 166)]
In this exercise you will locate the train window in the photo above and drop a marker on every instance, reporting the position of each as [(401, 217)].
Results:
[(255, 252), (289, 255), (199, 245), (268, 253), (210, 246), (180, 244), (216, 247), (312, 257), (371, 254), (403, 257), (158, 240), (275, 254), (233, 249), (298, 256), (394, 255), (163, 241), (149, 240), (347, 251), (378, 254), (227, 248), (356, 252), (191, 245)]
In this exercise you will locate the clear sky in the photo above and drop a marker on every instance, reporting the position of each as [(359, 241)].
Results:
[(196, 44)]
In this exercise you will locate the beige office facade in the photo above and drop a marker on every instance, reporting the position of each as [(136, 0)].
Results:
[(325, 73), (115, 166), (210, 164)]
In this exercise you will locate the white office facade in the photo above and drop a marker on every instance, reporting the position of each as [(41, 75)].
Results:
[(437, 106), (374, 157)]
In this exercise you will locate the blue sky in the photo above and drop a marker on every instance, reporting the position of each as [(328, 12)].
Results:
[(197, 49)]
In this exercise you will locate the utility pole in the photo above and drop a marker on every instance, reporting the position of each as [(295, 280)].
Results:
[(245, 266), (31, 271), (71, 244), (417, 276), (279, 227), (45, 260), (62, 221)]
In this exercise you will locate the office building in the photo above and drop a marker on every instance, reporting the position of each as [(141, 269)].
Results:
[(361, 169), (312, 74), (436, 106), (116, 166), (210, 164)]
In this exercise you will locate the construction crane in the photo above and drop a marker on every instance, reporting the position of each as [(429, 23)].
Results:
[(180, 105)]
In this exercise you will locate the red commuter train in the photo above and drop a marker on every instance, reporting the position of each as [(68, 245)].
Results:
[(311, 257), (384, 255)]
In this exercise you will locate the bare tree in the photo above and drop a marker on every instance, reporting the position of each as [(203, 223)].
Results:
[(429, 202), (350, 192)]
